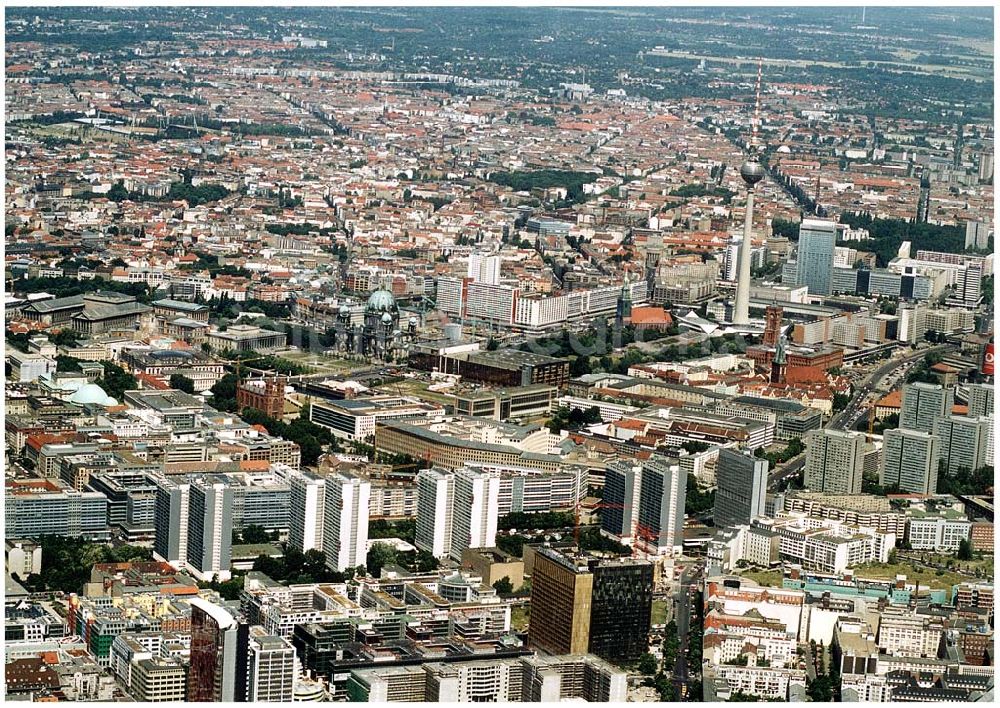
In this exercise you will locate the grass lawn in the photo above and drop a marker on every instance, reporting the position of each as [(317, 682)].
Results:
[(519, 617), (418, 389), (767, 578), (914, 574), (317, 363), (984, 563), (659, 613)]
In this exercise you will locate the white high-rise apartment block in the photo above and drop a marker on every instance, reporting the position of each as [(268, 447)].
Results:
[(964, 442), (475, 510), (834, 461), (980, 400), (435, 490), (456, 511), (912, 323), (306, 517), (663, 488), (451, 296), (171, 521), (484, 269), (345, 521), (210, 528), (910, 461), (924, 403), (969, 284), (977, 233), (491, 302)]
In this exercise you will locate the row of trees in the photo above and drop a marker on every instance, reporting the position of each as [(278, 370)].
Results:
[(382, 554), (793, 449), (565, 418), (310, 437), (539, 520), (67, 562), (67, 287), (295, 567), (886, 236)]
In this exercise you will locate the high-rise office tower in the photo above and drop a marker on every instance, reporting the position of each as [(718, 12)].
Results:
[(435, 493), (742, 486), (270, 668), (731, 262), (484, 269), (910, 461), (923, 403), (307, 498), (835, 461), (968, 286), (345, 521), (171, 521), (474, 511), (817, 240), (219, 654), (620, 510), (986, 166), (583, 604), (661, 507), (963, 442), (210, 528), (980, 400)]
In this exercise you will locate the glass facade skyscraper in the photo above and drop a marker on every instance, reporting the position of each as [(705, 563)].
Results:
[(817, 239), (742, 485)]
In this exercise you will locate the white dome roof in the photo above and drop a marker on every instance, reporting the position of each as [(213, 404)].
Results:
[(92, 393)]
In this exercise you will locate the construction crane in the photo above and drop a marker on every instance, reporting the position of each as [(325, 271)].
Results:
[(646, 534)]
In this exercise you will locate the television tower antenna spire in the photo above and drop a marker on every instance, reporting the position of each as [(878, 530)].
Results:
[(755, 123)]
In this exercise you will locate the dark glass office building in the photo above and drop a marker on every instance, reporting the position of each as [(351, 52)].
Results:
[(620, 609)]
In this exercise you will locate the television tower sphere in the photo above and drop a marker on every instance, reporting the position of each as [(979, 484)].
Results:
[(752, 171)]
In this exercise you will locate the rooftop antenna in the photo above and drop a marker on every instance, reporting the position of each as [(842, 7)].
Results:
[(755, 123)]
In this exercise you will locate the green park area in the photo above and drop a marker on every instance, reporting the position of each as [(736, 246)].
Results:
[(925, 577), (766, 578), (519, 616), (659, 613)]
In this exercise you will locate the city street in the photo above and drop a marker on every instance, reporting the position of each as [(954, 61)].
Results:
[(845, 418), (681, 674)]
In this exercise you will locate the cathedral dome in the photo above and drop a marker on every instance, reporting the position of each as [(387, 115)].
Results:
[(381, 301)]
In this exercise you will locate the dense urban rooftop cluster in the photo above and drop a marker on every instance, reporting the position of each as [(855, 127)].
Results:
[(346, 363)]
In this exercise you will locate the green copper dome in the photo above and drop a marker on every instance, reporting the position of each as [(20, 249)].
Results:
[(382, 301)]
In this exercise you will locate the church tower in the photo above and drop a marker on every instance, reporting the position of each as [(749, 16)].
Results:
[(624, 307), (778, 364)]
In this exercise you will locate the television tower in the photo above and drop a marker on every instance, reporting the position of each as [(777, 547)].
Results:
[(752, 172)]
